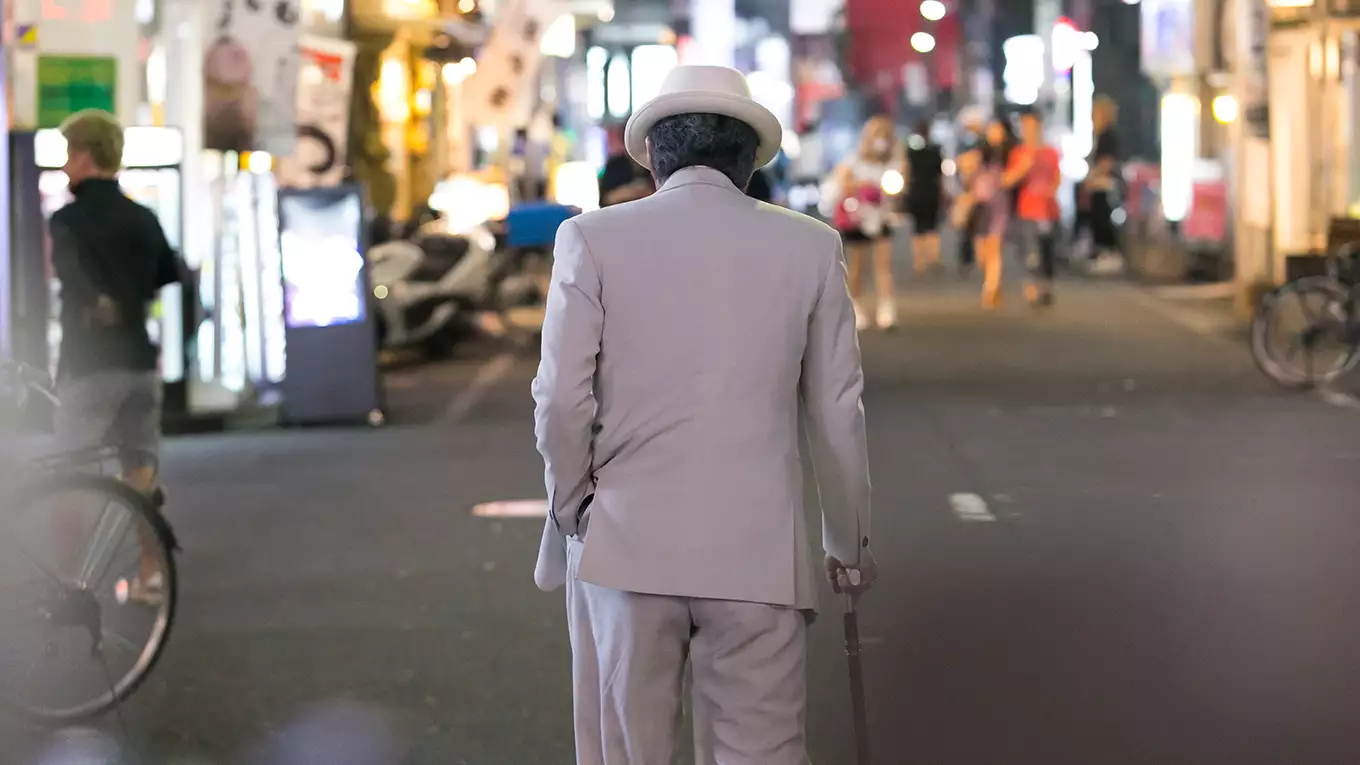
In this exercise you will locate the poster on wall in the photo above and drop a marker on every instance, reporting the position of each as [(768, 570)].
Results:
[(68, 84), (325, 81), (510, 57), (250, 77)]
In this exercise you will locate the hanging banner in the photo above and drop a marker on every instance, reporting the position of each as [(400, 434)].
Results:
[(250, 77), (507, 62), (325, 82)]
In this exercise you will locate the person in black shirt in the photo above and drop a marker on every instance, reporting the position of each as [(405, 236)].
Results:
[(622, 179), (924, 197), (1099, 194), (111, 258)]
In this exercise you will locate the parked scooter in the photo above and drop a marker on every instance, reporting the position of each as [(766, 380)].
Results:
[(435, 288), (430, 287)]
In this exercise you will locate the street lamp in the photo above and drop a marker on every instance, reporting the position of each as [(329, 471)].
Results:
[(923, 42), (932, 10)]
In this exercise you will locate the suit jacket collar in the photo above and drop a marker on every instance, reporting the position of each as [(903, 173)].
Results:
[(698, 175)]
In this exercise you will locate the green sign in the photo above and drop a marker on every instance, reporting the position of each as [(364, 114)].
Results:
[(67, 84)]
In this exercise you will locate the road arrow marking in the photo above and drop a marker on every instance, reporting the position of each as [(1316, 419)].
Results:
[(970, 508)]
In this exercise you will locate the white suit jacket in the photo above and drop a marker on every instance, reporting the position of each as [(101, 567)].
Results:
[(682, 332)]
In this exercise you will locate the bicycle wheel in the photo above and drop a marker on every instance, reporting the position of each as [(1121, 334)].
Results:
[(1302, 336), (73, 606)]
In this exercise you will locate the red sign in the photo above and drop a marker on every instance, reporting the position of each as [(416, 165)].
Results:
[(1208, 218)]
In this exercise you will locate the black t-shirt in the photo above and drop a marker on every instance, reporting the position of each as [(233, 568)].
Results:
[(106, 244), (925, 169), (1107, 145), (620, 170)]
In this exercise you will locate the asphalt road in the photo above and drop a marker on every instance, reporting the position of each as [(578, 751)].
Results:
[(1164, 572)]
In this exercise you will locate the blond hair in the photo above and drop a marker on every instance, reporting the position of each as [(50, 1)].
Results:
[(97, 132), (879, 125)]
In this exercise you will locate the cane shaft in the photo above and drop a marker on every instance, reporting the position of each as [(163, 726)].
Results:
[(858, 710)]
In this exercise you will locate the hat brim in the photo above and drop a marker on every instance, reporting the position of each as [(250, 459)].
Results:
[(762, 120)]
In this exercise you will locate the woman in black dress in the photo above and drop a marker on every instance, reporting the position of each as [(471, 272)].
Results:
[(924, 197)]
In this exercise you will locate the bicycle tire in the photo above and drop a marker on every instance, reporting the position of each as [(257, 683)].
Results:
[(164, 540), (1261, 325)]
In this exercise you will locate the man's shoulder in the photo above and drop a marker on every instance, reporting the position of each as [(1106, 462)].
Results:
[(776, 224)]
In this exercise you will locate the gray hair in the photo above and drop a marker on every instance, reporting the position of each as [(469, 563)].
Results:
[(723, 143)]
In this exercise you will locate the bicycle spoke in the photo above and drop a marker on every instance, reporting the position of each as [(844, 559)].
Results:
[(91, 560), (121, 536)]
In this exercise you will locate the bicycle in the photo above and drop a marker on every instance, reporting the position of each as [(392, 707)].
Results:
[(1330, 308), (56, 603)]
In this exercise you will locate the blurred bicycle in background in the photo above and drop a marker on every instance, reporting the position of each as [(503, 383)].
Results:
[(1306, 333)]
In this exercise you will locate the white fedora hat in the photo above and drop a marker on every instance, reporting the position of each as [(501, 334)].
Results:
[(693, 89)]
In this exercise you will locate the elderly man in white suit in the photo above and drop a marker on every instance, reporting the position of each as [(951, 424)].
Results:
[(682, 333)]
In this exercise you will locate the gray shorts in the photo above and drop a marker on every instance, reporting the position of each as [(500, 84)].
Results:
[(114, 408)]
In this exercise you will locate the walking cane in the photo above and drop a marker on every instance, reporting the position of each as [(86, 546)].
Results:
[(857, 708)]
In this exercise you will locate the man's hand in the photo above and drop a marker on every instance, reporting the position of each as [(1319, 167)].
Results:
[(105, 312), (854, 581)]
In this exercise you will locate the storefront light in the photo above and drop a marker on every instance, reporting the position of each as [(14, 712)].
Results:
[(392, 90), (650, 65), (1178, 128), (618, 87), (467, 6), (577, 184), (559, 39), (1225, 108), (1023, 76), (596, 59), (932, 10), (923, 42), (455, 72)]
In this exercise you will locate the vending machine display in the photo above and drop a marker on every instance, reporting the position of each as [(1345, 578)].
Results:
[(332, 359), (152, 157)]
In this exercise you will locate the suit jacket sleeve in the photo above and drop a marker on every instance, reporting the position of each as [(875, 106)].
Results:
[(564, 400), (831, 387)]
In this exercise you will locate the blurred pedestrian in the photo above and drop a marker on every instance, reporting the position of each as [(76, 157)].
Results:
[(980, 214), (623, 179), (972, 127), (1099, 192), (862, 218), (681, 333), (1034, 169), (111, 258), (924, 197)]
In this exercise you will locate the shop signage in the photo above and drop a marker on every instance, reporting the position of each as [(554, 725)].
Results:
[(1168, 37), (325, 81), (509, 59), (68, 84), (250, 75)]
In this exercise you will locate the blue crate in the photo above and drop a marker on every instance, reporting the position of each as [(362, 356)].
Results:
[(535, 224)]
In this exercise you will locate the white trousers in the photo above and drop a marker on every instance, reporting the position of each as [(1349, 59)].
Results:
[(628, 666)]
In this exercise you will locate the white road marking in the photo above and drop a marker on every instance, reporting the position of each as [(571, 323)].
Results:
[(1337, 398), (491, 373), (1201, 323), (515, 508), (970, 508)]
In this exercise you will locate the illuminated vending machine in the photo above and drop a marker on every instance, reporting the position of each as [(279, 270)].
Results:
[(152, 157), (332, 359)]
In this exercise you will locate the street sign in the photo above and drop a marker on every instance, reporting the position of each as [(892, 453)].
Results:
[(68, 84)]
